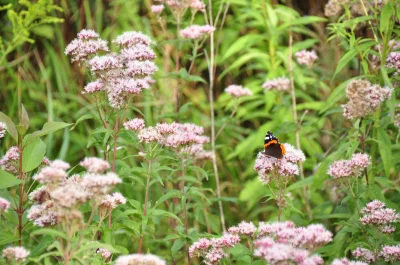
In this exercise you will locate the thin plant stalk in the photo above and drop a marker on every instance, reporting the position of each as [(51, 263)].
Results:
[(146, 200), (295, 118), (184, 206)]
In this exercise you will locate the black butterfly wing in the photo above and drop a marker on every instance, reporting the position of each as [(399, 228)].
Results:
[(273, 150)]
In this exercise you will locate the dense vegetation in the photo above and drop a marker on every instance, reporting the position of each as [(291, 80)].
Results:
[(132, 132)]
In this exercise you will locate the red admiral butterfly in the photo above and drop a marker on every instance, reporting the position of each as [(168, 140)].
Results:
[(272, 147)]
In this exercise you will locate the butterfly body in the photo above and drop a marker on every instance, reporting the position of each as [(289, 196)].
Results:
[(272, 146)]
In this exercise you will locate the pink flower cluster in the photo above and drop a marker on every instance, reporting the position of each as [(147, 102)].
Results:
[(112, 201), (4, 205), (60, 197), (270, 168), (279, 84), (134, 124), (198, 152), (244, 229), (390, 253), (120, 75), (376, 214), (157, 9), (364, 254), (238, 91), (3, 128), (181, 6), (105, 253), (349, 168), (196, 31), (345, 261), (306, 57), (364, 98), (15, 254), (142, 259), (215, 249), (393, 60), (10, 161)]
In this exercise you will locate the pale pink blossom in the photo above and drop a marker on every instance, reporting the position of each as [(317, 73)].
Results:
[(43, 214), (93, 87), (360, 160), (131, 38), (40, 195), (364, 98), (238, 91), (390, 253), (86, 34), (149, 134), (196, 31), (270, 168), (59, 164), (312, 237), (142, 259), (393, 60), (214, 256), (100, 184), (197, 5), (105, 254), (15, 254), (10, 161), (95, 165), (364, 254), (138, 52), (50, 175), (157, 9), (199, 247), (344, 261), (375, 214), (70, 195), (292, 154), (112, 201), (87, 43), (243, 228), (134, 124), (279, 84), (103, 63), (3, 129), (306, 57), (197, 152), (349, 168), (4, 205)]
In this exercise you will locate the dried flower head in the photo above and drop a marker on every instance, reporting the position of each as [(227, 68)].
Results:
[(196, 31), (15, 254), (142, 259), (306, 57), (95, 165), (238, 91), (364, 98), (4, 205), (134, 125), (279, 84)]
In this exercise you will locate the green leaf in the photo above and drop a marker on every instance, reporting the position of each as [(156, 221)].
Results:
[(178, 245), (50, 232), (41, 247), (241, 44), (386, 16), (48, 127), (7, 180), (6, 238), (170, 194), (385, 150), (157, 212), (11, 129), (24, 120), (82, 118), (345, 60), (239, 250), (301, 183), (33, 155)]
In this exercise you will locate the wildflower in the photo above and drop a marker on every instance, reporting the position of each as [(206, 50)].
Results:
[(197, 5), (279, 84), (3, 128), (70, 195), (375, 214), (10, 161), (344, 261), (46, 161), (95, 165), (292, 154), (43, 214), (364, 254), (149, 134), (17, 254), (238, 91), (112, 201), (100, 184), (142, 259), (93, 87), (275, 253), (131, 38), (157, 9), (226, 241), (196, 31), (199, 247), (177, 135), (105, 254), (393, 60), (364, 98), (214, 256), (197, 152), (134, 125), (275, 229), (312, 237), (4, 205), (306, 57), (50, 175), (40, 195), (87, 43), (70, 217), (244, 228), (390, 253), (349, 168)]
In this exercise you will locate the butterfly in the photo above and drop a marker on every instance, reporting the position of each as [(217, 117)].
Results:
[(272, 146)]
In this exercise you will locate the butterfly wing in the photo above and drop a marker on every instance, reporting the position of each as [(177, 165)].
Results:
[(274, 150)]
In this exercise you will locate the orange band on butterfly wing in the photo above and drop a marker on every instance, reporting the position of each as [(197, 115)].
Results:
[(272, 142), (283, 149)]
